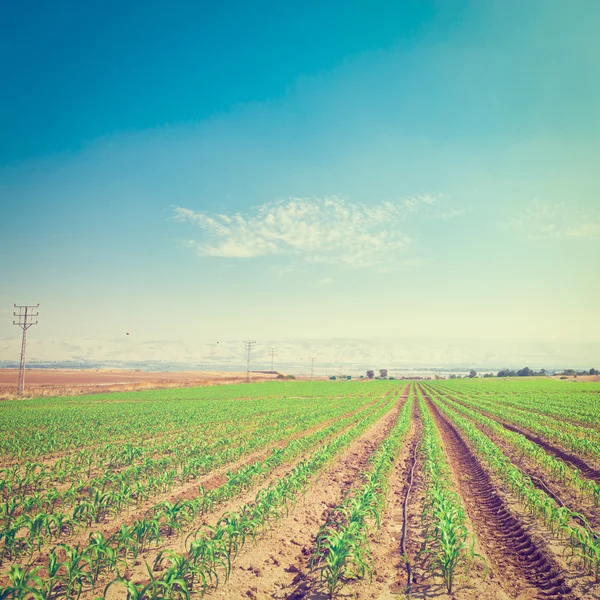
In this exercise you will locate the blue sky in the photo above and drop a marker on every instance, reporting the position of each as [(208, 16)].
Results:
[(360, 169)]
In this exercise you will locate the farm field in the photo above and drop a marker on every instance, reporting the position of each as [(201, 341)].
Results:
[(465, 488), (75, 382)]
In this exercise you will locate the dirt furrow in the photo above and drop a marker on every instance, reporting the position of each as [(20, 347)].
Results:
[(209, 481), (278, 567), (218, 477), (562, 495), (524, 566), (389, 565), (586, 470), (176, 543), (554, 416)]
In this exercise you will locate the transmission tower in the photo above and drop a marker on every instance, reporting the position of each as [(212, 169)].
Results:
[(249, 345), (24, 316), (272, 354), (312, 366)]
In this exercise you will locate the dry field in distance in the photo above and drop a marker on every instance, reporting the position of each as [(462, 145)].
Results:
[(72, 382)]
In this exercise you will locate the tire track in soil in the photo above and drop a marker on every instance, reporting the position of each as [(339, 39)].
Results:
[(278, 567), (522, 564), (543, 481), (424, 586), (574, 460)]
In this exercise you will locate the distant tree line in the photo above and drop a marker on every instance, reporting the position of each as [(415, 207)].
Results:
[(573, 372), (527, 372), (524, 372), (382, 374)]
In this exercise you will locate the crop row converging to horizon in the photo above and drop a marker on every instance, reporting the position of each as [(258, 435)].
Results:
[(459, 487)]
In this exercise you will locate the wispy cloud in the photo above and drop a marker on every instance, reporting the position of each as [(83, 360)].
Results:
[(586, 230), (546, 221), (327, 230)]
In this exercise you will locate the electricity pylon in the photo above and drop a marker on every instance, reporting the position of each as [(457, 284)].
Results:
[(272, 354), (249, 346), (24, 321)]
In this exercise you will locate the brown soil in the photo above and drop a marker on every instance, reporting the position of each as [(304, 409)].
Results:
[(177, 542), (586, 469), (527, 409), (69, 382), (278, 567), (389, 568), (189, 490), (524, 567), (577, 378), (563, 495), (475, 584)]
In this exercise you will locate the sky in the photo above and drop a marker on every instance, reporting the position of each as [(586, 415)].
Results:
[(394, 173)]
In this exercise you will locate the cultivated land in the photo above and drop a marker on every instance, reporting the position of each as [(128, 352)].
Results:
[(71, 382), (448, 489)]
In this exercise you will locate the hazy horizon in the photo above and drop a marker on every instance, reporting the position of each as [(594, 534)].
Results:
[(404, 353)]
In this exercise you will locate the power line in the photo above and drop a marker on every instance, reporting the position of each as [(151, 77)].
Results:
[(273, 354), (249, 345), (24, 317), (312, 366)]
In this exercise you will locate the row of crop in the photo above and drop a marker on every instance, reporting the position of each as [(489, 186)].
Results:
[(133, 461), (448, 547), (559, 405), (557, 468), (342, 542), (20, 491), (55, 425), (580, 439), (519, 406), (103, 431), (177, 449), (210, 549), (583, 544), (26, 533)]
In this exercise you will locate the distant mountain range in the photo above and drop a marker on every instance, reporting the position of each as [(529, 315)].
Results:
[(294, 355)]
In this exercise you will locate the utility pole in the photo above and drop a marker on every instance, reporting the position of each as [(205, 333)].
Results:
[(272, 354), (312, 367), (249, 345), (24, 316)]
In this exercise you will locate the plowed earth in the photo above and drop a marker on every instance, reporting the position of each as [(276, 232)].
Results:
[(278, 566), (525, 561), (563, 495), (586, 469), (525, 567)]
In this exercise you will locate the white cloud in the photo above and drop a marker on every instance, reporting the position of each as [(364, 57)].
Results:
[(546, 221), (587, 230), (328, 230), (325, 281)]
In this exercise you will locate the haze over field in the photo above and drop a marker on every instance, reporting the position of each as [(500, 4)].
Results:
[(413, 183), (293, 355)]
